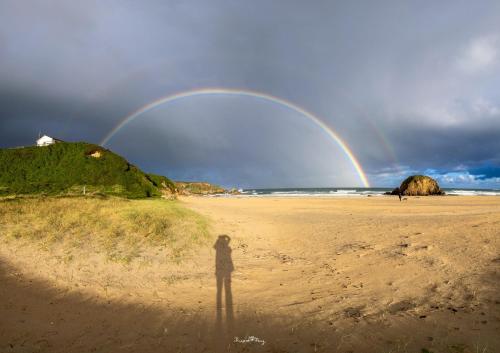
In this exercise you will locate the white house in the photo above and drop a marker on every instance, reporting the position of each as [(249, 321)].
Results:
[(46, 141)]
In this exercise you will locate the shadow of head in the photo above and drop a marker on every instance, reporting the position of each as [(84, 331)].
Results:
[(222, 241)]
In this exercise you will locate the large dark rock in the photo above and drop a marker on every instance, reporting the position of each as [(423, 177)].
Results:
[(419, 185), (393, 192)]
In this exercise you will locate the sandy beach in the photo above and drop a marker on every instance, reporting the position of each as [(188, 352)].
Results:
[(366, 274)]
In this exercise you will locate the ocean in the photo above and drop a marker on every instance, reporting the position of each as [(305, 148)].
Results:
[(353, 192)]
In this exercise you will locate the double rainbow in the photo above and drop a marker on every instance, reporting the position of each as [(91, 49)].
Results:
[(248, 93)]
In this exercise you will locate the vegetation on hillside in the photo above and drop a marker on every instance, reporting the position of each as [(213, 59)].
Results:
[(119, 229), (71, 168)]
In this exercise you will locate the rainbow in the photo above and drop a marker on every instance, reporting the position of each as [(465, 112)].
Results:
[(248, 93)]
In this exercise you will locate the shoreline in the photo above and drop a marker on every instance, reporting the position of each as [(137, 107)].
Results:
[(330, 196)]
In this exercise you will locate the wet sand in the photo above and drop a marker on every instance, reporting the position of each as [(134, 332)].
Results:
[(289, 275)]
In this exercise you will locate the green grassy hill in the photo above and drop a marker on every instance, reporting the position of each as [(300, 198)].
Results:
[(66, 168)]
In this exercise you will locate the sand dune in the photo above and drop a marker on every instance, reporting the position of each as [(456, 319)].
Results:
[(307, 275)]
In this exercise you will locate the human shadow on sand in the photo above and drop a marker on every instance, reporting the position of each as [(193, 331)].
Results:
[(223, 270), (37, 316)]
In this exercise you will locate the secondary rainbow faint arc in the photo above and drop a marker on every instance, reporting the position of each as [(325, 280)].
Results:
[(237, 92)]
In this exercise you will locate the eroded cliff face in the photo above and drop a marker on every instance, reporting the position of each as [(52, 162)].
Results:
[(198, 188)]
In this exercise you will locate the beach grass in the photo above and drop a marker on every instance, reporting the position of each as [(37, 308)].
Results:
[(121, 229)]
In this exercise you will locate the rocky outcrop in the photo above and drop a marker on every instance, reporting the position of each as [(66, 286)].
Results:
[(198, 188), (167, 192), (234, 191), (419, 185), (393, 192)]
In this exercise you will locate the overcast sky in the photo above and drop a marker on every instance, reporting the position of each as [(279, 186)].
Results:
[(410, 86)]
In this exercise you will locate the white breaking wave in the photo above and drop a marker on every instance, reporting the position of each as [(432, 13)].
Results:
[(335, 192), (343, 191), (474, 192), (314, 193)]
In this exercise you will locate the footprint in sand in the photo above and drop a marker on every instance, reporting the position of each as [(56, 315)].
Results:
[(353, 312), (400, 306)]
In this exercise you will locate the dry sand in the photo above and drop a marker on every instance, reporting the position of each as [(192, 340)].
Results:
[(310, 275)]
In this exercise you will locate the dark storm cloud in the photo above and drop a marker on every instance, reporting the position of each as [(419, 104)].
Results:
[(409, 86)]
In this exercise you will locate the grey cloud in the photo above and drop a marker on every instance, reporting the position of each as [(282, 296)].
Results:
[(419, 80)]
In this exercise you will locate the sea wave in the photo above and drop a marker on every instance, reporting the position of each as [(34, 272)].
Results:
[(474, 192), (350, 192), (311, 193)]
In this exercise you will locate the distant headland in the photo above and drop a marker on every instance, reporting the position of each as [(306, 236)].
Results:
[(55, 167)]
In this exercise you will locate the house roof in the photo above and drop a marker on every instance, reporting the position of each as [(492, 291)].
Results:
[(53, 138)]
